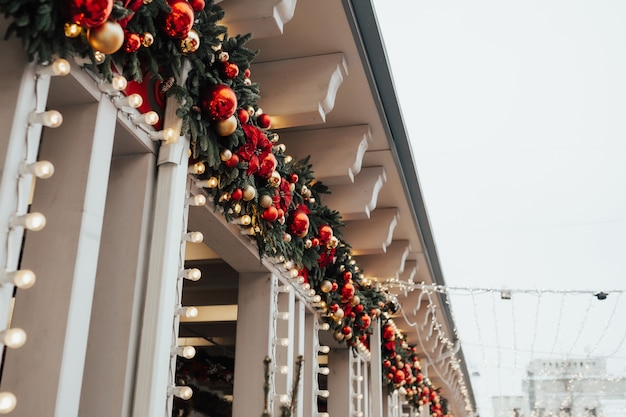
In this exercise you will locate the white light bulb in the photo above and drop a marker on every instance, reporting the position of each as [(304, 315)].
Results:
[(182, 392), (150, 118), (186, 352), (167, 135), (284, 315), (193, 274), (293, 273), (23, 278), (323, 370), (187, 312), (283, 399), (323, 393), (132, 101), (324, 326), (13, 338), (60, 67), (197, 168), (317, 298), (323, 349), (197, 200), (119, 83), (282, 342), (50, 118), (193, 237), (30, 221), (283, 370), (40, 169), (7, 402)]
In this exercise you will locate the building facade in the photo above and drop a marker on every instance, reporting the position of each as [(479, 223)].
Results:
[(126, 236)]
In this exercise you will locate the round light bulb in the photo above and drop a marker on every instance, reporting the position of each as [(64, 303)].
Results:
[(151, 118), (13, 338), (212, 182), (182, 392), (323, 393), (199, 200), (119, 82), (323, 349), (169, 134), (194, 237), (40, 169), (7, 402), (197, 168), (325, 326), (282, 342), (190, 312), (193, 274), (188, 352), (61, 67), (23, 278), (246, 220), (30, 221), (283, 399), (323, 370), (135, 100), (283, 370), (284, 315)]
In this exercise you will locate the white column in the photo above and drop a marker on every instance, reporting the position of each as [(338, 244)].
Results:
[(153, 369), (284, 355), (300, 348), (309, 375), (46, 373), (108, 382), (377, 391), (340, 383), (254, 318)]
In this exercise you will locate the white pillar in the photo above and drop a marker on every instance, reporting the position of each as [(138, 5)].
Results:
[(46, 373), (110, 364), (377, 391), (340, 383), (153, 369), (309, 374), (254, 318)]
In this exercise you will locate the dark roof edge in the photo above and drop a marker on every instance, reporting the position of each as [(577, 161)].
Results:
[(362, 19)]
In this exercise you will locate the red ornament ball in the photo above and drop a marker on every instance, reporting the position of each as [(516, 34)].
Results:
[(264, 121), (231, 70), (219, 102), (293, 178), (179, 21), (132, 42), (325, 233), (398, 377), (346, 330), (270, 214), (347, 292), (299, 224), (197, 5), (90, 13), (246, 73), (232, 162), (243, 116), (237, 193)]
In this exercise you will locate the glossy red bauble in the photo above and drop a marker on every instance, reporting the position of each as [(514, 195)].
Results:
[(325, 233), (335, 286), (346, 330), (299, 224), (179, 21), (315, 242), (270, 214), (90, 13), (219, 102), (243, 116), (347, 292), (246, 73), (347, 276), (398, 377), (264, 121), (197, 5), (232, 162), (237, 194), (293, 178), (231, 70), (132, 42)]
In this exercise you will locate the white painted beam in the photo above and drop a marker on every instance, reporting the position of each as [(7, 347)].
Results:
[(118, 296), (358, 200), (374, 235), (340, 383), (65, 253), (347, 147), (300, 91), (262, 18)]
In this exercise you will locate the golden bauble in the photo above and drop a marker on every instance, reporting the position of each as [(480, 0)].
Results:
[(249, 193), (191, 43), (107, 38), (147, 39), (72, 30), (265, 201), (326, 286), (226, 127)]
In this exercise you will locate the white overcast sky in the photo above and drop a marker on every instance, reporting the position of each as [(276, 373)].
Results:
[(517, 114)]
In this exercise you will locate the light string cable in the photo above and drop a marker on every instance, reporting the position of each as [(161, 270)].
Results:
[(537, 309), (513, 328), (427, 291), (478, 329), (581, 327), (606, 329)]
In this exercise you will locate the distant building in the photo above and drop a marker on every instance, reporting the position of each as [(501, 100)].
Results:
[(566, 388)]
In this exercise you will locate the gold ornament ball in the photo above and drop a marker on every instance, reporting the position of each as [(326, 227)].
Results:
[(147, 39), (226, 127), (107, 38), (265, 201), (326, 286), (226, 154), (191, 43), (249, 193), (72, 30)]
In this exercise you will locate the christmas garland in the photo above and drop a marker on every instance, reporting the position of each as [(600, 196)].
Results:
[(238, 160)]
